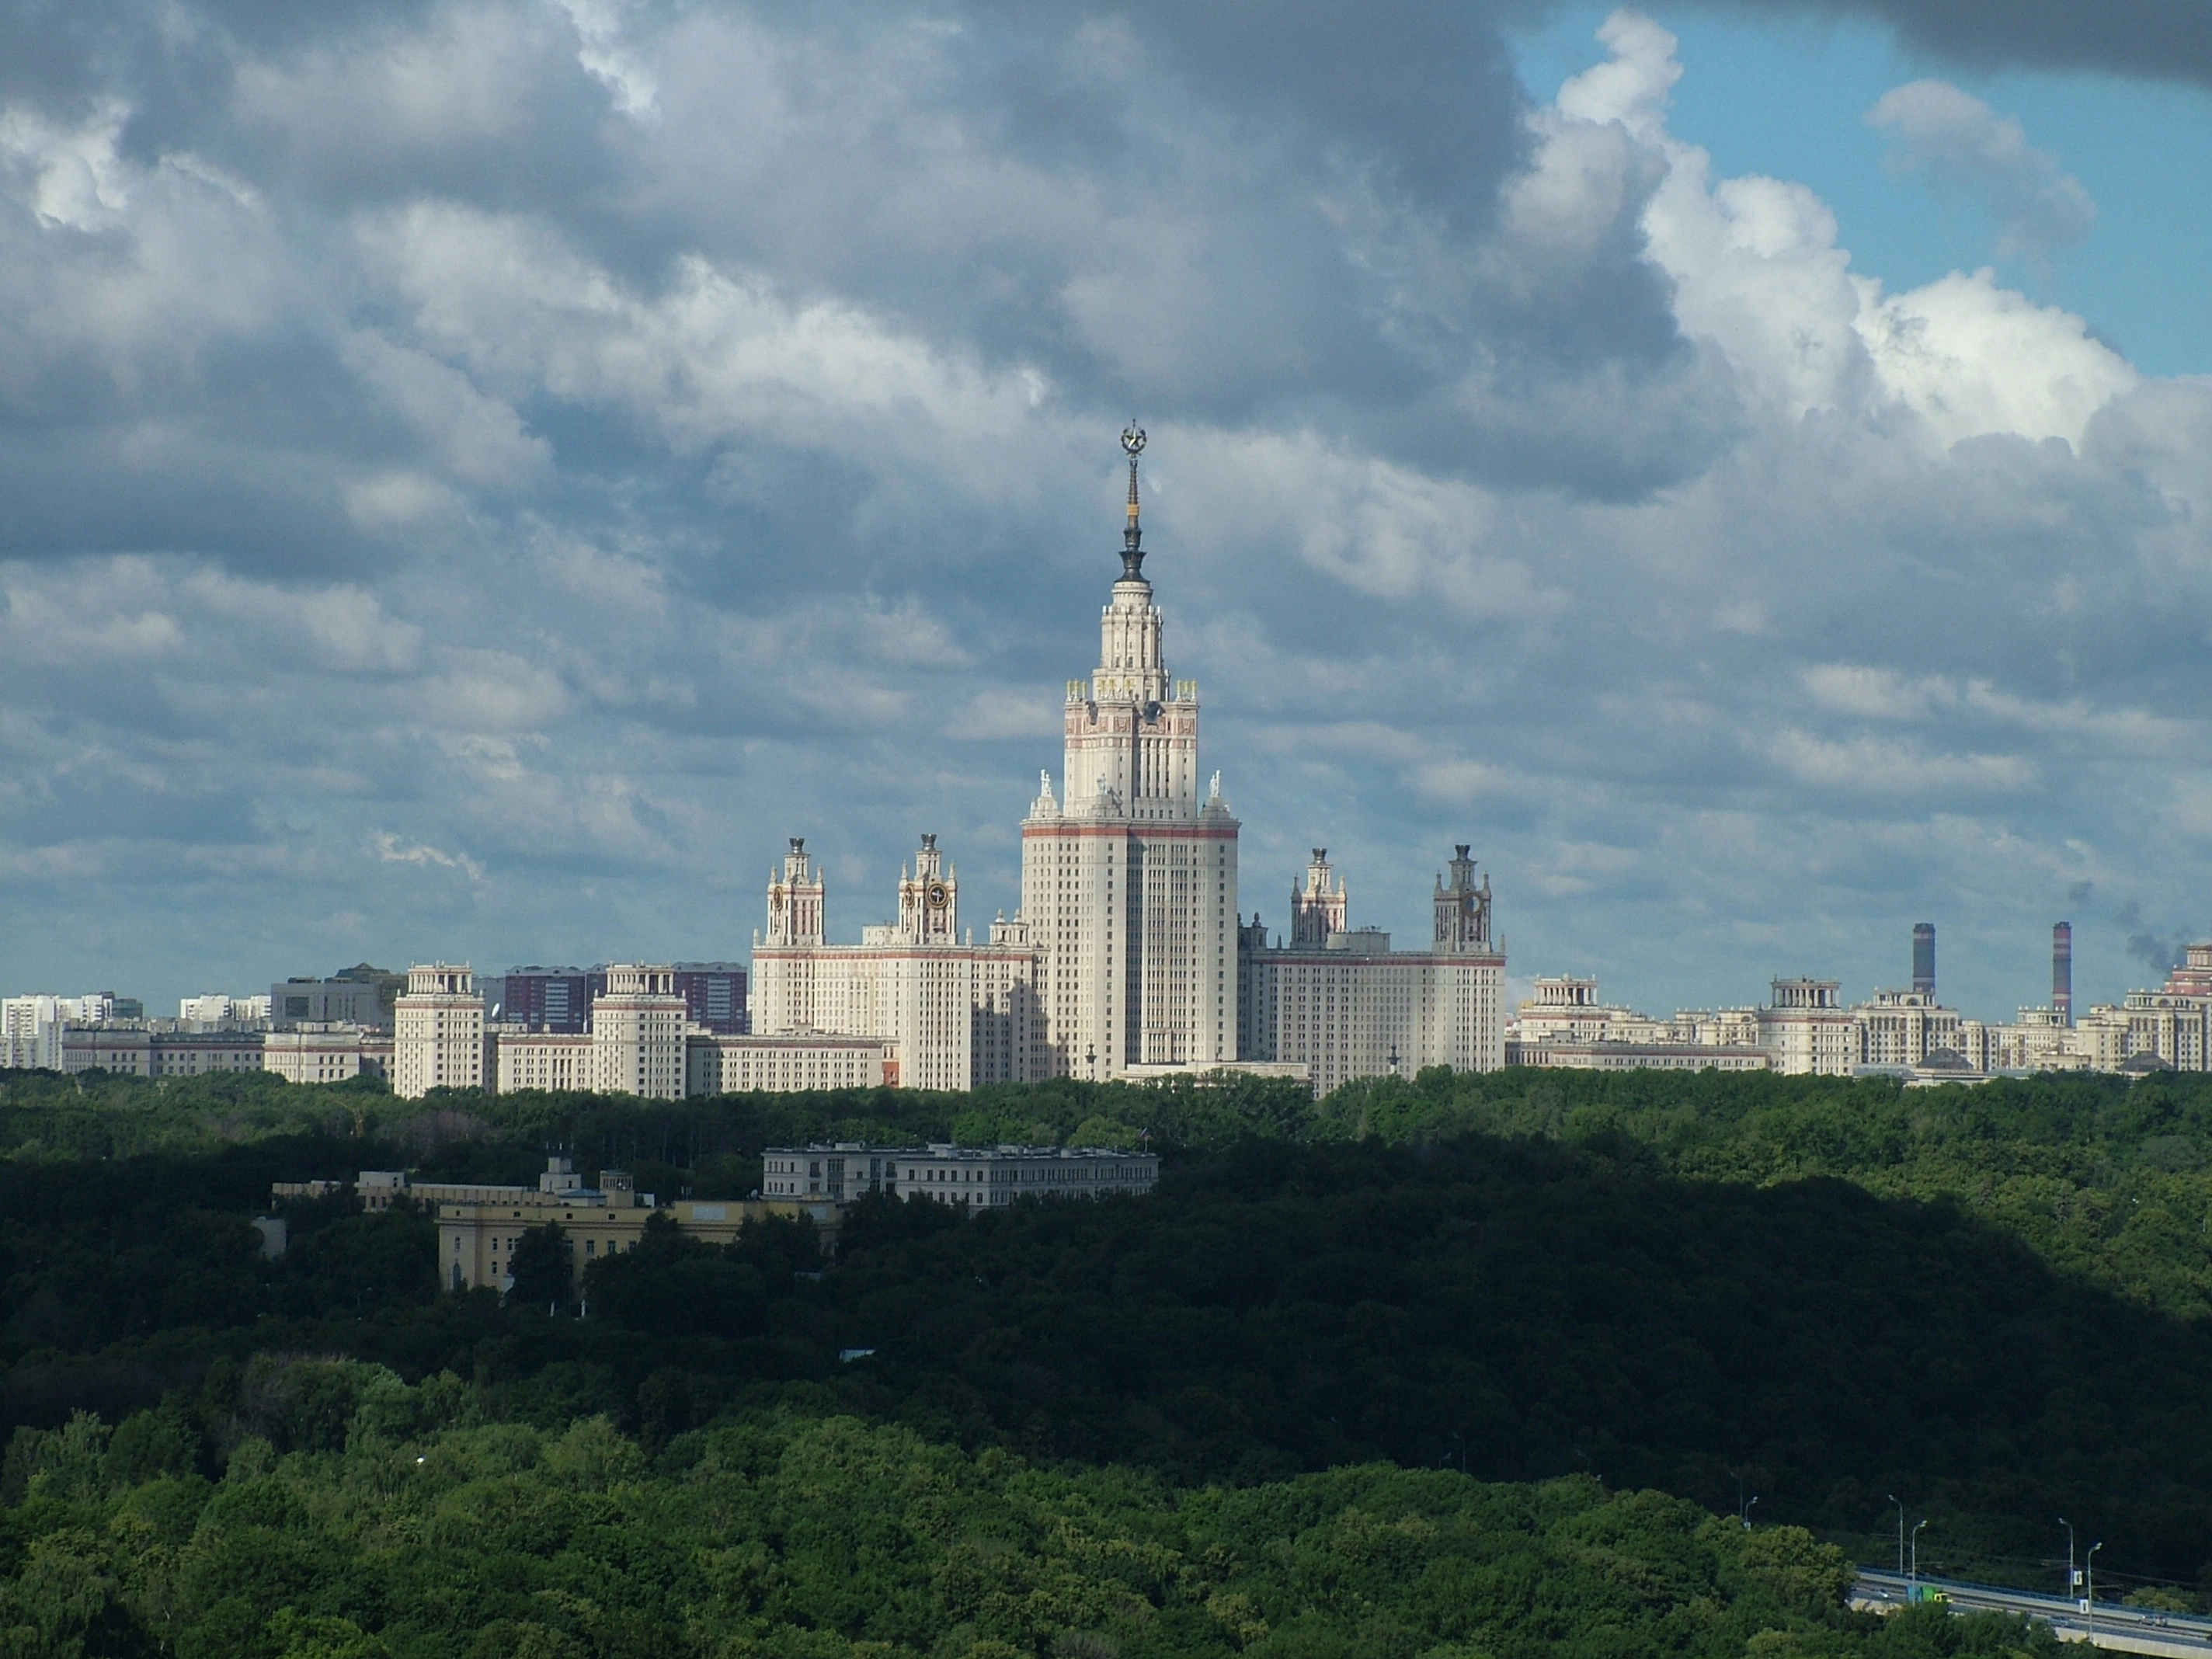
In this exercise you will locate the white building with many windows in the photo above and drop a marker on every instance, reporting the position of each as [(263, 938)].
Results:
[(1906, 1029), (638, 1026), (31, 1026), (1567, 1012), (1129, 871), (635, 1042), (326, 1052), (781, 1065), (969, 1177), (955, 1013), (1342, 1003), (438, 1037), (557, 1062), (1125, 958), (1807, 1029)]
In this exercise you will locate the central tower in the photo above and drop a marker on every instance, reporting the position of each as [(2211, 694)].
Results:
[(1129, 876)]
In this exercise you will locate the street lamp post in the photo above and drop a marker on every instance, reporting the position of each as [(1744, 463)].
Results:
[(1901, 1532), (2089, 1595), (1914, 1594), (1743, 1512), (2072, 1578)]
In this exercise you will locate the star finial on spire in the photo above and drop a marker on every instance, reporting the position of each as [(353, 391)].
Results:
[(1132, 537)]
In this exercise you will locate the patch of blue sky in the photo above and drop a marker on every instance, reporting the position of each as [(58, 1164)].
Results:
[(1788, 98)]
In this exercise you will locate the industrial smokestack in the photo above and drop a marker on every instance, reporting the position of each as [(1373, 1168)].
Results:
[(2062, 972), (1923, 957)]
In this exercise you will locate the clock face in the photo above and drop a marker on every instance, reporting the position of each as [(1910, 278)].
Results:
[(939, 898)]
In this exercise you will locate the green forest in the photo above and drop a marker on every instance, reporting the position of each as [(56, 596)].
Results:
[(417, 1527), (1406, 1369)]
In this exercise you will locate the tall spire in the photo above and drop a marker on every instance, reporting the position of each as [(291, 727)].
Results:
[(1132, 537)]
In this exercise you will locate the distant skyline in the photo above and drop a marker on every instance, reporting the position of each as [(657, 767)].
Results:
[(480, 474)]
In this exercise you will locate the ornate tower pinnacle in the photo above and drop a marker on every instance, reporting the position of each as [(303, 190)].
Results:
[(1132, 537)]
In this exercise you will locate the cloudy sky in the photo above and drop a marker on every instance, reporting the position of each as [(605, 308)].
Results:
[(475, 475)]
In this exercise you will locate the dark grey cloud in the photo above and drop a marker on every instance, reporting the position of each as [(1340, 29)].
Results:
[(2155, 39)]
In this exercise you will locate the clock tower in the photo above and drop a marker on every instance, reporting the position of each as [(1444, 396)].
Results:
[(929, 899)]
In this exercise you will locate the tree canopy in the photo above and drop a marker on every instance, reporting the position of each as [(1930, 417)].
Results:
[(413, 1527)]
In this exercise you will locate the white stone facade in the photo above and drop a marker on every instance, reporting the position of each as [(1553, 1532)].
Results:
[(956, 1014), (635, 1045), (1905, 1027), (1125, 958), (1565, 1023), (1129, 872), (438, 1038), (1805, 1030), (2173, 1026), (638, 1026), (969, 1178), (779, 1065), (1567, 1009), (1343, 1005), (138, 1050), (323, 1053), (1624, 1055), (557, 1062)]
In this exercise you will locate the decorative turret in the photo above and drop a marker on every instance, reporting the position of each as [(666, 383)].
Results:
[(1317, 909), (794, 899), (1462, 908), (929, 900)]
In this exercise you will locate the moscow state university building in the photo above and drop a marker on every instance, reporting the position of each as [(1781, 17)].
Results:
[(1129, 883), (1126, 958)]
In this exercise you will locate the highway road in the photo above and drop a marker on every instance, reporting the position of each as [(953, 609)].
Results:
[(2126, 1630)]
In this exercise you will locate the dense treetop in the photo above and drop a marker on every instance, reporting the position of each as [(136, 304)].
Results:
[(1990, 1301), (411, 1526)]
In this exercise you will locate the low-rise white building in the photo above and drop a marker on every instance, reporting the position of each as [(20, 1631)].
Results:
[(479, 1225), (118, 1050), (1565, 1008), (327, 1052), (1564, 1022), (779, 1065), (1622, 1054), (636, 1041), (555, 1062), (140, 1051), (970, 1177)]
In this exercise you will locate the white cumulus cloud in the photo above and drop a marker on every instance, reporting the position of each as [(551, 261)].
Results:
[(479, 477)]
